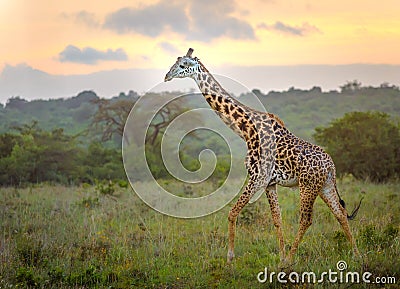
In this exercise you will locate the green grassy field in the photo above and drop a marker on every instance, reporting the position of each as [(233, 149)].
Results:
[(76, 237)]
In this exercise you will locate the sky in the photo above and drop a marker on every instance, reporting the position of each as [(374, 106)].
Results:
[(71, 37)]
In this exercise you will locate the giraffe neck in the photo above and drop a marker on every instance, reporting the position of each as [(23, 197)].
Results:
[(231, 111)]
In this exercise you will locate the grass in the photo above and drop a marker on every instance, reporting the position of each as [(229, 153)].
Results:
[(80, 237)]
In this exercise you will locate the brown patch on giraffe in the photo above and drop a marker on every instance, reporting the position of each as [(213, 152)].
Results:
[(226, 109), (235, 115), (274, 116)]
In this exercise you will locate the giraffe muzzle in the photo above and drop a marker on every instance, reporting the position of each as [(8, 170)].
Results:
[(167, 77)]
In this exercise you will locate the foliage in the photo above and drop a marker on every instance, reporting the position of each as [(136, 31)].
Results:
[(105, 188), (25, 277), (301, 109), (33, 155), (364, 144), (101, 163), (72, 114), (351, 87), (67, 149)]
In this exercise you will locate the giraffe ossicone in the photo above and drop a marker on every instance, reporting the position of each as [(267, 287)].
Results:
[(275, 156)]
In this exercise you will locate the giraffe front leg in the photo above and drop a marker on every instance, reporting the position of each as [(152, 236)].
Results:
[(277, 218), (232, 217)]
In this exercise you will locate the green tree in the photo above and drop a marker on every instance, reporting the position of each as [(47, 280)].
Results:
[(365, 144), (35, 155), (101, 163), (350, 87)]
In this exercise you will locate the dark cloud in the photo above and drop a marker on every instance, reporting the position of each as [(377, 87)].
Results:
[(151, 20), (196, 20), (280, 27), (89, 55)]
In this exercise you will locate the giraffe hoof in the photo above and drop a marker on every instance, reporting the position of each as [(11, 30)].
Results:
[(230, 257)]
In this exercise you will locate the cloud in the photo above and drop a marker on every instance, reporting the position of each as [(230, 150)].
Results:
[(89, 55), (195, 20), (211, 19), (168, 47), (82, 17), (87, 18), (280, 27), (151, 20)]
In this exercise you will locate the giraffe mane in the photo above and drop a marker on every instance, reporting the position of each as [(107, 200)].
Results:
[(201, 64), (280, 121), (271, 115)]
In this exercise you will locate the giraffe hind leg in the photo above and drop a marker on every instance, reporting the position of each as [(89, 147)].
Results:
[(331, 198), (277, 218), (307, 199), (234, 212)]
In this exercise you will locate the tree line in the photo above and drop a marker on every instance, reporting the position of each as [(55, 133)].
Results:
[(364, 144), (33, 155)]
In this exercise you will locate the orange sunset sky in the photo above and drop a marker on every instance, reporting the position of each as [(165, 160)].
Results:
[(59, 37), (42, 39)]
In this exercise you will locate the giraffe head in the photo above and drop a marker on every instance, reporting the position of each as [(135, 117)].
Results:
[(185, 66)]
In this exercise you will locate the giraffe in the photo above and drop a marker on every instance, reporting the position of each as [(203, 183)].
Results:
[(274, 157)]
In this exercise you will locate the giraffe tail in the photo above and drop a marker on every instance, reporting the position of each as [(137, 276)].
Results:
[(353, 214)]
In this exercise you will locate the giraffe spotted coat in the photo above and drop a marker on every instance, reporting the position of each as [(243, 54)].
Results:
[(275, 156)]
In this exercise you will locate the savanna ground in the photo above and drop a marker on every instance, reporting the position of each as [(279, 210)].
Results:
[(83, 237)]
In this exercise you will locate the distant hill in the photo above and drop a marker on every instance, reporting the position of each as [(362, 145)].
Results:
[(30, 83), (301, 110), (72, 114)]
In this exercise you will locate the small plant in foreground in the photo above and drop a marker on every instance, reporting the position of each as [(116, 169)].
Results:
[(25, 277), (105, 188)]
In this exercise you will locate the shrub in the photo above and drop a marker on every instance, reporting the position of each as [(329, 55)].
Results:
[(105, 188), (26, 278), (364, 144)]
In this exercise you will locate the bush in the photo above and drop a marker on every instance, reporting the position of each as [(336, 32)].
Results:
[(105, 188), (25, 277), (374, 238), (364, 144), (34, 155)]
